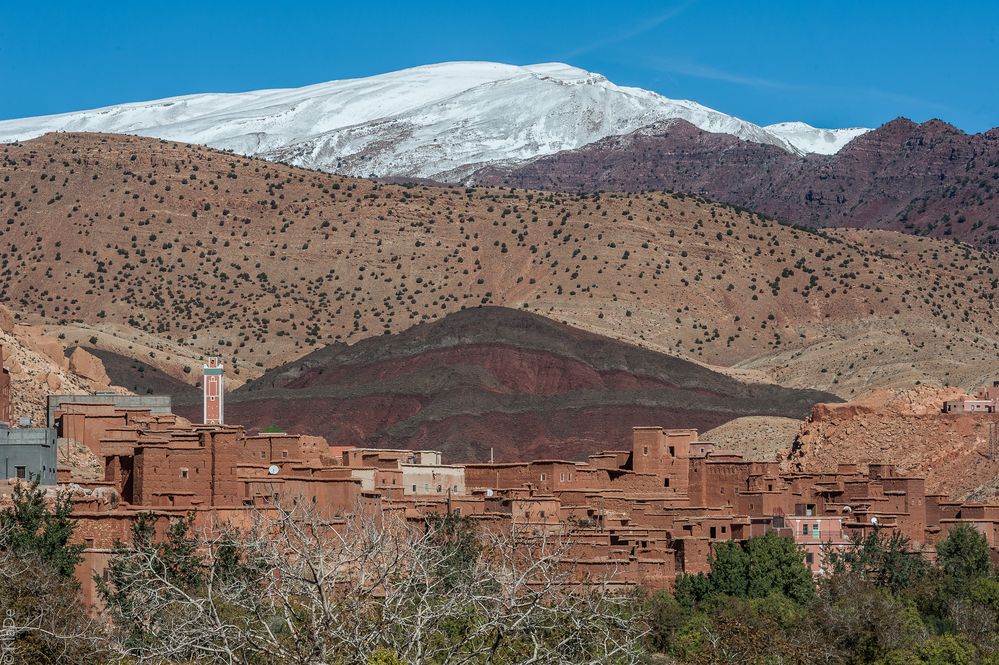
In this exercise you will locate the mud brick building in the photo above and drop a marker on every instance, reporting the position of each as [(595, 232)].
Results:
[(637, 516)]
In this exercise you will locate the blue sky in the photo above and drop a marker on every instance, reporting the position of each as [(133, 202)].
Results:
[(831, 64)]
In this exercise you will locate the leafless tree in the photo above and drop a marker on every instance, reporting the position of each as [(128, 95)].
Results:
[(298, 587), (41, 620)]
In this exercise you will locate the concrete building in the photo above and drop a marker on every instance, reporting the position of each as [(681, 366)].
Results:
[(28, 453), (986, 400), (157, 404)]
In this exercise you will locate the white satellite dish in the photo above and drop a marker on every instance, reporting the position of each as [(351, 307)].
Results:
[(273, 469), (874, 520), (489, 492)]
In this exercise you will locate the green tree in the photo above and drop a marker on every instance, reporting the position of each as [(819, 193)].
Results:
[(692, 589), (729, 569), (887, 561), (964, 554), (776, 564), (35, 525)]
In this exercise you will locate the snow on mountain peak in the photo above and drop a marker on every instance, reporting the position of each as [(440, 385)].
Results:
[(810, 139), (440, 121)]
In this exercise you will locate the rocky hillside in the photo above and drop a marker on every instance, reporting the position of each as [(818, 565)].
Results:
[(926, 179), (501, 379), (40, 365), (905, 428), (166, 252)]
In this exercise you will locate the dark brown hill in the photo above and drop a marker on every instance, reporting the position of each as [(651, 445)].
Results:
[(926, 179), (498, 378)]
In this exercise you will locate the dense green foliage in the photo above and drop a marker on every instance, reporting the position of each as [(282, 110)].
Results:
[(882, 602), (31, 526)]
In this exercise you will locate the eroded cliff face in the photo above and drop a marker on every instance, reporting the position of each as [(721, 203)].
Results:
[(906, 428)]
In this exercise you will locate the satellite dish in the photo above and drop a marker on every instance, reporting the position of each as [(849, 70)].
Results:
[(874, 520), (489, 492), (273, 469)]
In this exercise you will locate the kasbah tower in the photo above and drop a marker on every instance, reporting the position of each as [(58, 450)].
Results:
[(212, 382)]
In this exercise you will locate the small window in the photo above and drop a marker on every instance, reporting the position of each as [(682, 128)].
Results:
[(19, 471), (672, 451), (645, 450), (815, 531), (183, 473), (542, 477), (414, 488), (714, 532), (666, 482), (770, 487), (561, 477), (804, 529), (809, 558)]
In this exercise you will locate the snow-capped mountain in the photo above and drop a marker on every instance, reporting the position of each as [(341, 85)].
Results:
[(438, 121), (808, 139)]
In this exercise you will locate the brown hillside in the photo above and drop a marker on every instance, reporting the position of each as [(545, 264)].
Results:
[(167, 252), (499, 379), (40, 365), (926, 179), (905, 428)]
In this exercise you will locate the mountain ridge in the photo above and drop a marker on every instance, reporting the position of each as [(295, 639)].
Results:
[(436, 121), (926, 178)]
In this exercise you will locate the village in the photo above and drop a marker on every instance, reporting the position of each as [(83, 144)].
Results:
[(640, 516)]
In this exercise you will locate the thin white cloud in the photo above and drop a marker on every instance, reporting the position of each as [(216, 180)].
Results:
[(702, 71), (639, 29)]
